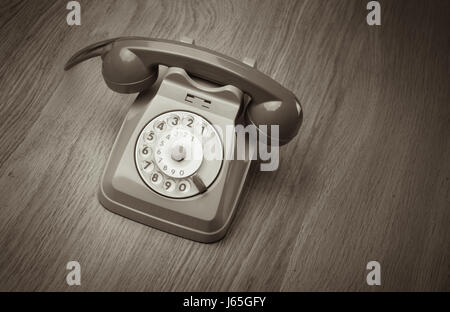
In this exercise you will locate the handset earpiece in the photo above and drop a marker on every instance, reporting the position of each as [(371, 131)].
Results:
[(123, 71), (130, 64)]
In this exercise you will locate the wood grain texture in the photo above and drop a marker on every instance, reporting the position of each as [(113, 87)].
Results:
[(368, 177)]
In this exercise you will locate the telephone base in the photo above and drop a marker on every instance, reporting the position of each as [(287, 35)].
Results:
[(204, 217)]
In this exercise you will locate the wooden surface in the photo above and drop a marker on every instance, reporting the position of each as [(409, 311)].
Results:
[(368, 177)]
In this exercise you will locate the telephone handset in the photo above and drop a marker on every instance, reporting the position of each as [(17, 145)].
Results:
[(158, 172)]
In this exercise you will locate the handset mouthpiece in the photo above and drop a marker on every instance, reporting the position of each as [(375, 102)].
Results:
[(93, 50)]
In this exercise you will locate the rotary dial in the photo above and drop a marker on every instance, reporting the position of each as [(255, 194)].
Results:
[(179, 154)]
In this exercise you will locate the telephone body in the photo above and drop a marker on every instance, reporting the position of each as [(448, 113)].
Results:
[(158, 173)]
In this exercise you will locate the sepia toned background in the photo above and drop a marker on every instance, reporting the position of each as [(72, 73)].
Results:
[(367, 178)]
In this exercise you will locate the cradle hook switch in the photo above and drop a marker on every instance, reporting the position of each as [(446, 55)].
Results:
[(250, 62), (187, 40)]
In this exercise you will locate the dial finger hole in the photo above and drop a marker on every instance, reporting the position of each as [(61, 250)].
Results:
[(156, 178), (169, 185), (146, 151), (160, 126), (184, 186), (148, 166), (188, 121), (202, 130), (173, 120), (150, 137)]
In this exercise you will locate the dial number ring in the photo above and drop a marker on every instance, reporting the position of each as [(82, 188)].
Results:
[(170, 152)]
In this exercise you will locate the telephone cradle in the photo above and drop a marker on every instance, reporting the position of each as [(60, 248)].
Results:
[(173, 165)]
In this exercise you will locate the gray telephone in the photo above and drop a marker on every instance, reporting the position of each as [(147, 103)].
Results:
[(155, 174)]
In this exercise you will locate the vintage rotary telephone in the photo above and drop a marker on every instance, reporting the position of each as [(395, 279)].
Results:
[(158, 172)]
